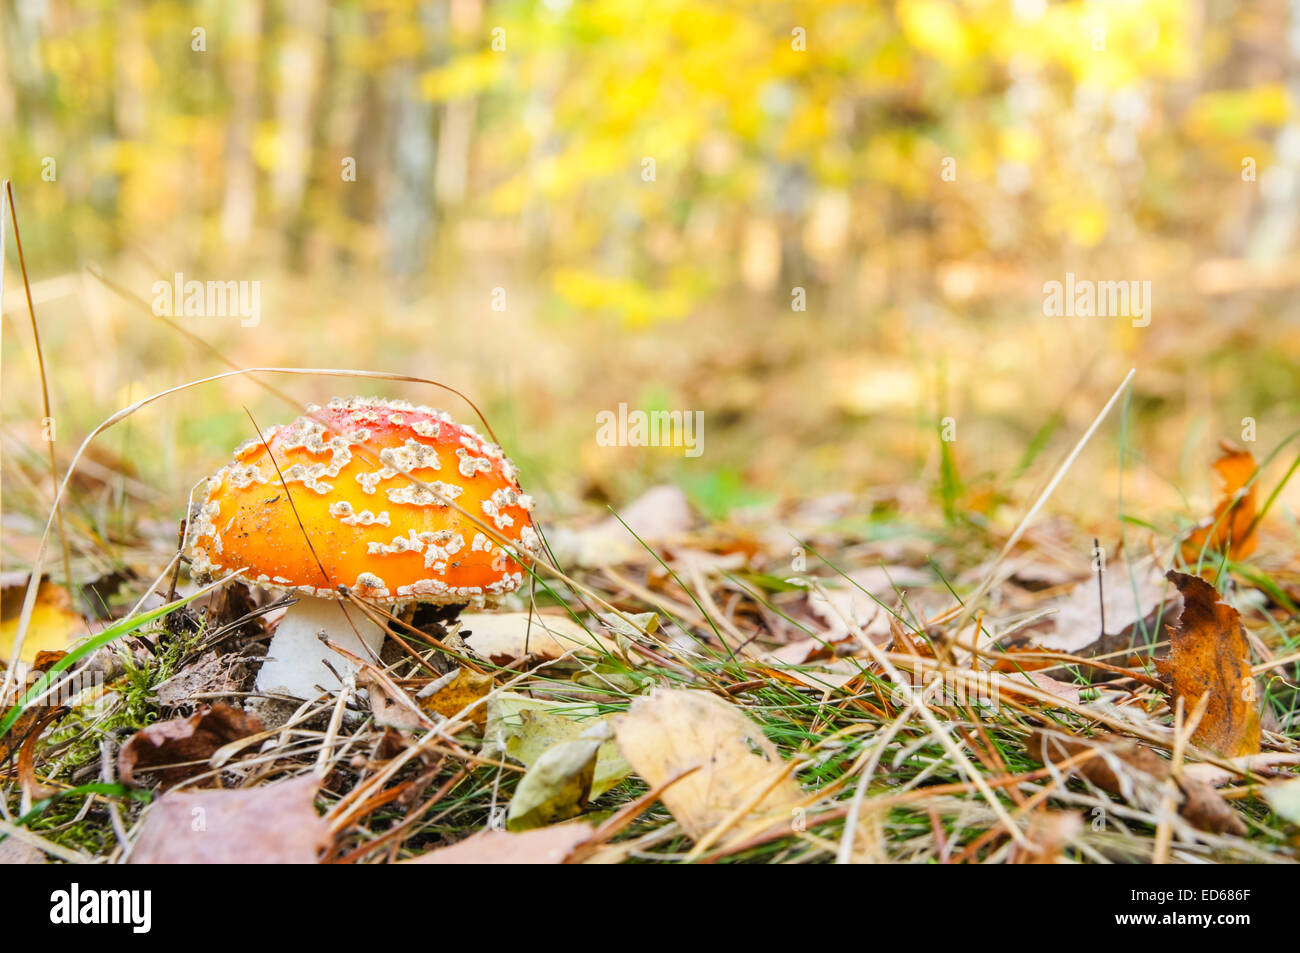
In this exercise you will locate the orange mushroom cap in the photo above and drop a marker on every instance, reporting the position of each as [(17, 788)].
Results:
[(385, 536)]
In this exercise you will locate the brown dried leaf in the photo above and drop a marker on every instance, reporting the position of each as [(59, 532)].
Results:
[(1209, 651), (1201, 806), (1133, 599), (546, 845), (671, 731), (1206, 810), (14, 851), (1050, 832), (804, 651), (32, 715), (1044, 683), (273, 824), (388, 711), (208, 675), (855, 603), (180, 748)]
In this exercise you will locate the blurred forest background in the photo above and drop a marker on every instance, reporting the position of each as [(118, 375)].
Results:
[(639, 190)]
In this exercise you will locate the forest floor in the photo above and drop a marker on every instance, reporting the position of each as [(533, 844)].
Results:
[(806, 682)]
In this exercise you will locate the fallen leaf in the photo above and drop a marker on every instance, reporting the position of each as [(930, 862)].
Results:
[(557, 786), (1231, 529), (391, 743), (1050, 832), (526, 728), (180, 748), (661, 514), (856, 601), (1284, 799), (604, 677), (547, 845), (1043, 682), (804, 651), (449, 695), (636, 625), (32, 715), (674, 730), (210, 674), (1035, 574), (13, 851), (272, 824), (1201, 805), (1134, 598), (821, 677), (705, 562), (389, 711), (502, 637), (1209, 652), (1216, 776), (54, 624)]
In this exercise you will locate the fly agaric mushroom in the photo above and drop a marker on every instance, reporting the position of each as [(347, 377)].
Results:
[(318, 512)]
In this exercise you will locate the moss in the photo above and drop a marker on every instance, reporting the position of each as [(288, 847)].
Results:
[(71, 750)]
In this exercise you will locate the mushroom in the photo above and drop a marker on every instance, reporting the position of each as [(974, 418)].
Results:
[(317, 513)]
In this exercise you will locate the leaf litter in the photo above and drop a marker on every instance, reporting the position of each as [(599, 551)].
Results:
[(682, 692)]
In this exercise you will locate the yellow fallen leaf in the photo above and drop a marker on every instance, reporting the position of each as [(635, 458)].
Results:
[(450, 695), (527, 728), (671, 731), (53, 627), (557, 787)]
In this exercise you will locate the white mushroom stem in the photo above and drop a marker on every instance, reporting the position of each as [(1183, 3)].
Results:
[(294, 663)]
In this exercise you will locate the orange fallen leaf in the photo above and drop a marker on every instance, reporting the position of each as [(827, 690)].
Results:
[(1209, 652), (1232, 528), (905, 644)]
